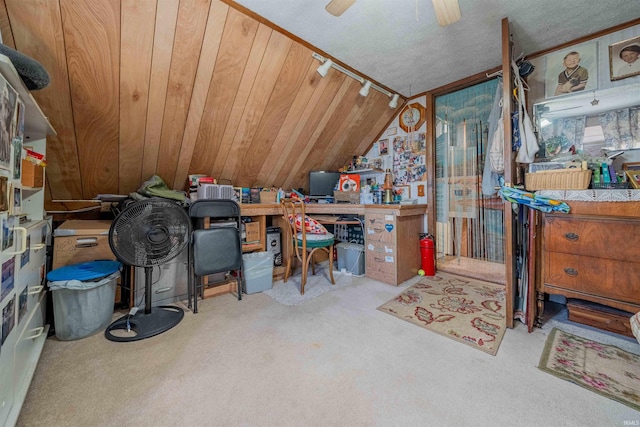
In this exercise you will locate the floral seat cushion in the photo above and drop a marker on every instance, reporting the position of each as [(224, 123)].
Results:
[(311, 225)]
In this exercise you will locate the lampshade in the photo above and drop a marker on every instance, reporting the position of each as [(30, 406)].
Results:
[(364, 91), (388, 180), (394, 101), (324, 68)]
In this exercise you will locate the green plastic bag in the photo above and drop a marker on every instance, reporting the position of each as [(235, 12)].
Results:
[(155, 187)]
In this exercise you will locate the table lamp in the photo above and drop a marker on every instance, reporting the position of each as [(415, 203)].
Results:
[(387, 187)]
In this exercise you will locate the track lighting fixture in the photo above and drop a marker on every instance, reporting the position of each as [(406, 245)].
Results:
[(364, 91), (324, 68), (394, 101)]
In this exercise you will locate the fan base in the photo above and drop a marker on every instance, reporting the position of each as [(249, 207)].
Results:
[(144, 325)]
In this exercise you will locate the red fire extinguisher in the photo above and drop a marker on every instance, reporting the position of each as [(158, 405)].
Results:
[(427, 254)]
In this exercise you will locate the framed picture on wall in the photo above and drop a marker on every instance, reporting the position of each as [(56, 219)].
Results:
[(15, 203), (624, 59), (17, 157), (4, 194), (572, 70), (8, 102), (633, 176)]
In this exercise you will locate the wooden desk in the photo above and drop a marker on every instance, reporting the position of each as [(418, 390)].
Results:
[(391, 234)]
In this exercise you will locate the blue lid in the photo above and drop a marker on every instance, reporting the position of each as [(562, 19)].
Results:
[(84, 271)]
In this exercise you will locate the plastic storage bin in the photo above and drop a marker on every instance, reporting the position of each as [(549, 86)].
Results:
[(83, 296), (258, 271), (351, 258)]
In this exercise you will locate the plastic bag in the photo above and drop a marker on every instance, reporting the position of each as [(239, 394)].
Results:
[(496, 153)]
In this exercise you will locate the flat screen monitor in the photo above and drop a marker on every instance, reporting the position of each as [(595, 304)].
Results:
[(321, 183)]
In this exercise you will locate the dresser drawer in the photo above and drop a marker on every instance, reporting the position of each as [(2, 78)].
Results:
[(380, 228), (600, 316), (594, 236), (612, 279)]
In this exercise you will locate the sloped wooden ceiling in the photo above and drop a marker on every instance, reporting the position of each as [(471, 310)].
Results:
[(170, 87)]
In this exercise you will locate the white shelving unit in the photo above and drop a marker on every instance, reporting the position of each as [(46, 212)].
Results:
[(22, 257)]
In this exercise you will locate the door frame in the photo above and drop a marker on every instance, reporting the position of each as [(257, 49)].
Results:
[(509, 162)]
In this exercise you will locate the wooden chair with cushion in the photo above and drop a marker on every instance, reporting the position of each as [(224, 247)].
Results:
[(304, 237)]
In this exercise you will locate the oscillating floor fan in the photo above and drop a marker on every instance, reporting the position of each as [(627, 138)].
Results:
[(148, 233)]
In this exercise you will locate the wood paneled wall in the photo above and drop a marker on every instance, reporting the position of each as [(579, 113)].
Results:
[(170, 87)]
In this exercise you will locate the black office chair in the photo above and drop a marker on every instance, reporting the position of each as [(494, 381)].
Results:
[(216, 244)]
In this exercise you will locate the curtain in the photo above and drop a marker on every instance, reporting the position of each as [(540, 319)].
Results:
[(621, 128)]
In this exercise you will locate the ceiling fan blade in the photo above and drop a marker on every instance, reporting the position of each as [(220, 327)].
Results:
[(447, 11), (337, 7)]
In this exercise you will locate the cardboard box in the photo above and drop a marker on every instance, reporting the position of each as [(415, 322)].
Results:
[(268, 196), (347, 196), (252, 231), (32, 174), (77, 241)]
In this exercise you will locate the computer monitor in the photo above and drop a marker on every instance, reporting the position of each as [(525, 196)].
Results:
[(322, 183)]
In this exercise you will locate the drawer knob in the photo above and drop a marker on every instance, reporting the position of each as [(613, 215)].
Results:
[(571, 236), (570, 271)]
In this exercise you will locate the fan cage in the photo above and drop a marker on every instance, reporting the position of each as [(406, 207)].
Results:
[(150, 232)]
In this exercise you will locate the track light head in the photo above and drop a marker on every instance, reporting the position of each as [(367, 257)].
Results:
[(394, 101), (324, 68), (364, 91)]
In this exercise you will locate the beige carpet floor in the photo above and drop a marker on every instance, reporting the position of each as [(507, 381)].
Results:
[(332, 361)]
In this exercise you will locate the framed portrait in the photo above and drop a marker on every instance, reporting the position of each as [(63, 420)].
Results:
[(383, 147), (572, 70), (633, 176), (624, 59)]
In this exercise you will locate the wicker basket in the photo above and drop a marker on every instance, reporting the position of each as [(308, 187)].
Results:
[(558, 179)]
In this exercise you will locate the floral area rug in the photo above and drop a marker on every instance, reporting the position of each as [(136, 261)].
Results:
[(603, 369), (466, 310)]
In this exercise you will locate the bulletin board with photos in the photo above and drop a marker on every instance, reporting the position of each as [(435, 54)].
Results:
[(409, 159)]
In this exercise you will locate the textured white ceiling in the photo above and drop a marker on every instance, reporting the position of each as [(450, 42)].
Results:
[(399, 43)]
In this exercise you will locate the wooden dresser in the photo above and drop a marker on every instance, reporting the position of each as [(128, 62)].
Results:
[(592, 254)]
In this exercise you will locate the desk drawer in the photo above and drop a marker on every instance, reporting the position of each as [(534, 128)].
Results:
[(380, 260), (380, 228), (594, 237), (611, 279)]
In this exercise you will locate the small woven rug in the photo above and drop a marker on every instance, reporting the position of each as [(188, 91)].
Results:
[(467, 310), (601, 368), (289, 293)]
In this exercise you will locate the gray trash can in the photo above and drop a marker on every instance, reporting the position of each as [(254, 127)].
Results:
[(83, 296), (258, 271), (351, 258)]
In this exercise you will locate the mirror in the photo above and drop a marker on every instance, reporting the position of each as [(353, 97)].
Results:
[(590, 122)]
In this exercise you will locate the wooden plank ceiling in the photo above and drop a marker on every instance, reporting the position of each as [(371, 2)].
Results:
[(170, 87)]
